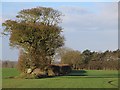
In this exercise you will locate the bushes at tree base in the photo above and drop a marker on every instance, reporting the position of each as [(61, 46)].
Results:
[(36, 73), (51, 70), (26, 76)]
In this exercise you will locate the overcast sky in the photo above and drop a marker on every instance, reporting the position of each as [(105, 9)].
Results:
[(85, 25)]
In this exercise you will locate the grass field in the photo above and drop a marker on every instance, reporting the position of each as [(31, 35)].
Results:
[(76, 79)]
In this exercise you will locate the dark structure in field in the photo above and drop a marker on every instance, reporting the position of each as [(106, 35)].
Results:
[(58, 69)]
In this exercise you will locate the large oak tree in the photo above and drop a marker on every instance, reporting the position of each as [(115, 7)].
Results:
[(37, 32)]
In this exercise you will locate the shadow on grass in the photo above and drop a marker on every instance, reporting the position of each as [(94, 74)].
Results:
[(73, 73), (78, 73)]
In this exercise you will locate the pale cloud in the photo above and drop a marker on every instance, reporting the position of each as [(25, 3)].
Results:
[(72, 10), (79, 18)]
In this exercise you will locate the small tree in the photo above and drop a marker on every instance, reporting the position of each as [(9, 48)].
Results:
[(36, 31), (72, 58)]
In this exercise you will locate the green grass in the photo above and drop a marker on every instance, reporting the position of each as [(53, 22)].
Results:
[(76, 79), (9, 72)]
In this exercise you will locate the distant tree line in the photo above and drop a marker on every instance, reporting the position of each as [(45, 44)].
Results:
[(83, 60), (91, 60), (9, 64)]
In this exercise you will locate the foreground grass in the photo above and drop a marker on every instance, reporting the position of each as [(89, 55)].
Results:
[(66, 82), (76, 79), (9, 72)]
